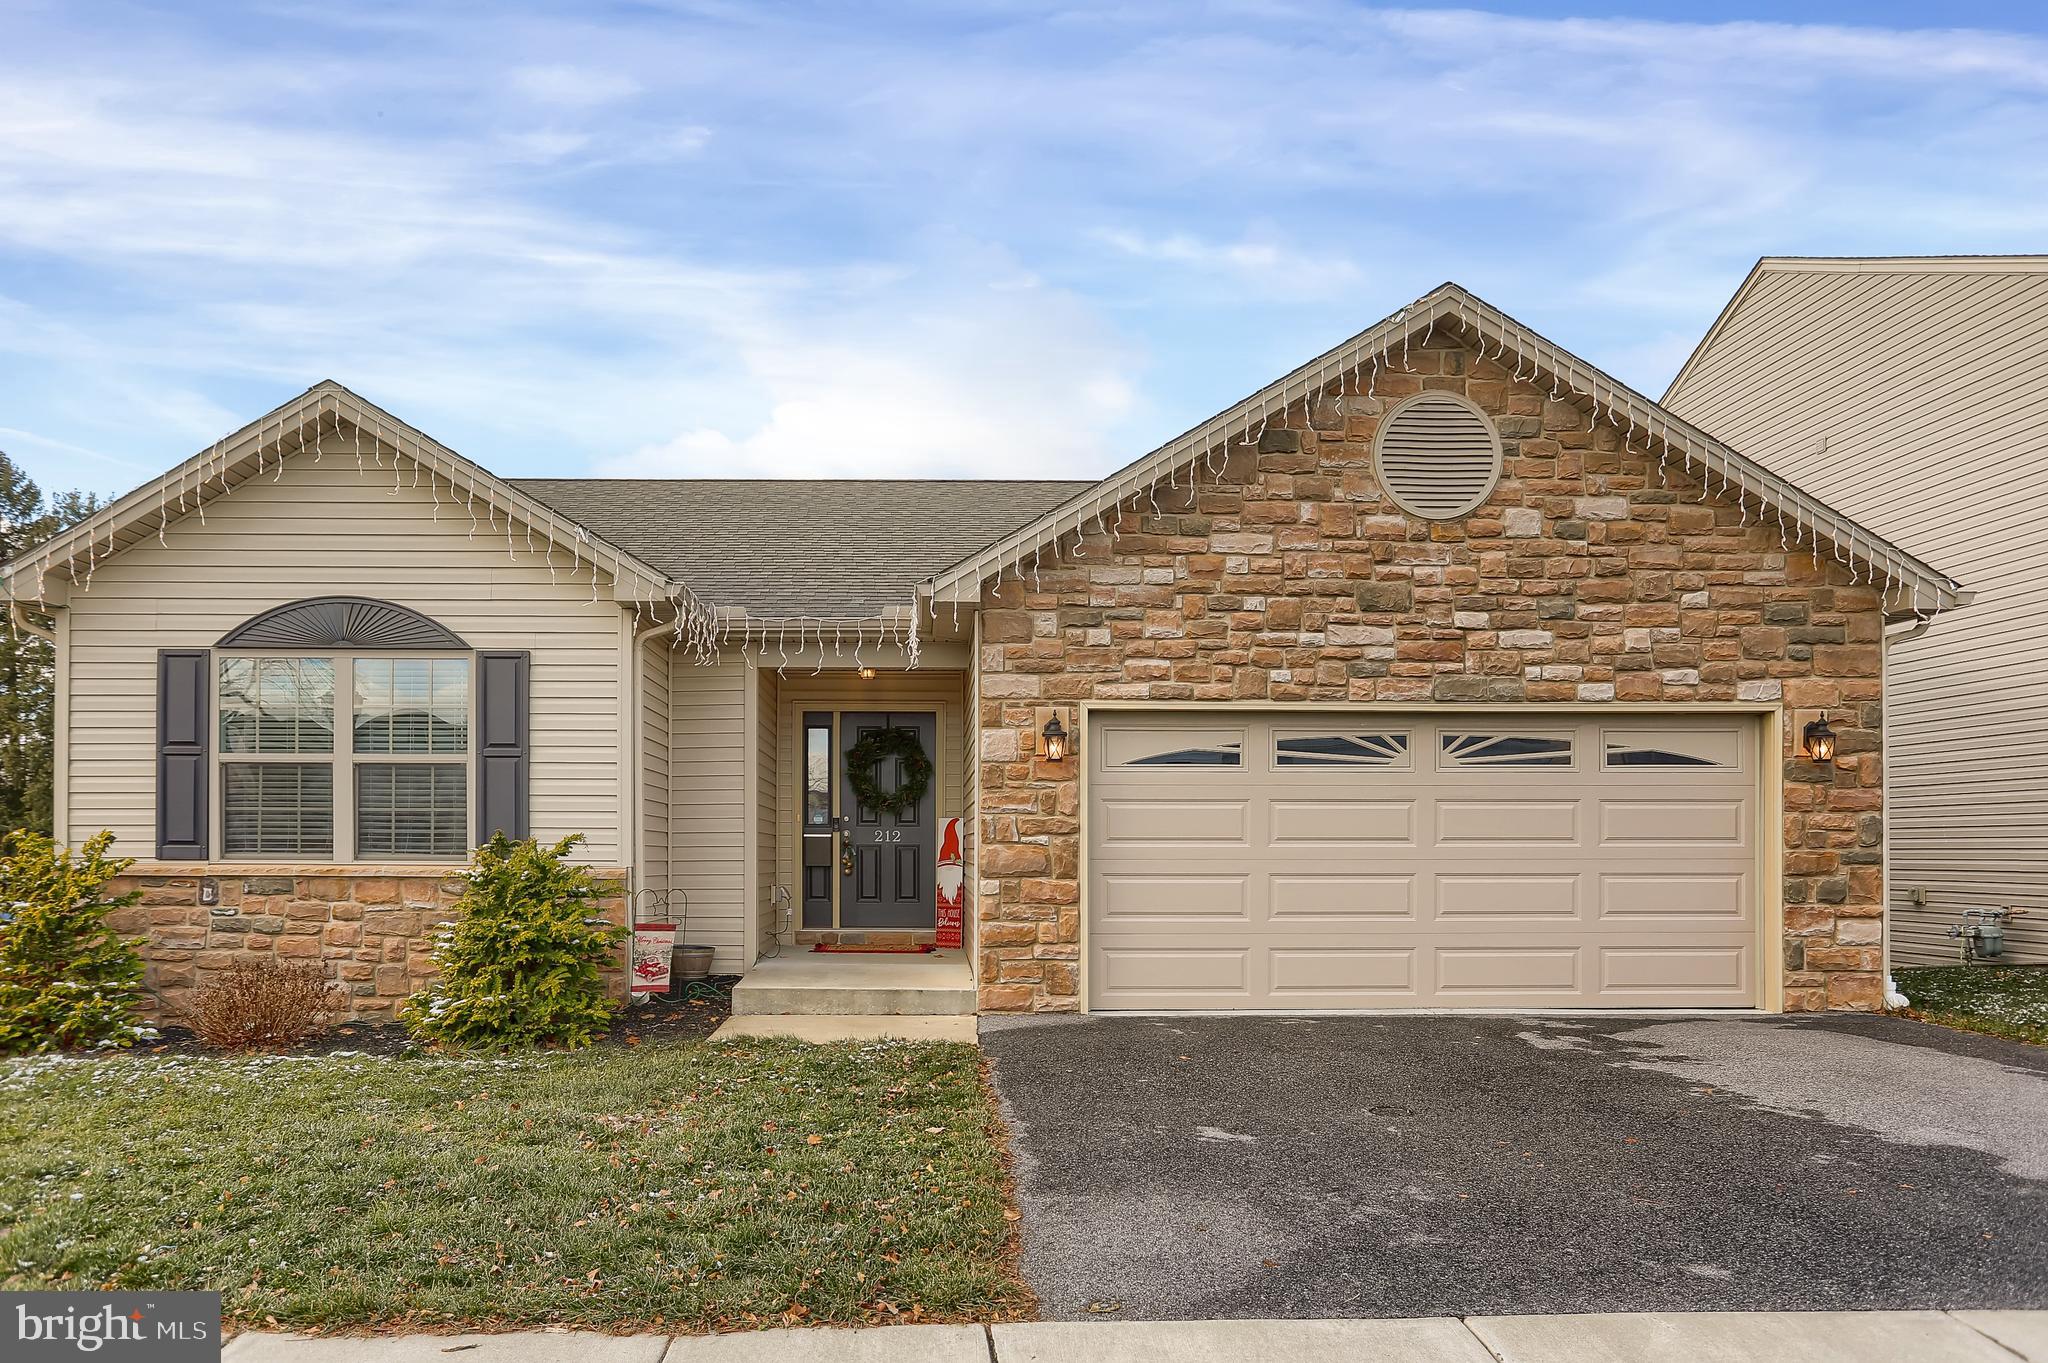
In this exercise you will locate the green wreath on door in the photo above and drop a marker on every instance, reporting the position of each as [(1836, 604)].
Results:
[(864, 758)]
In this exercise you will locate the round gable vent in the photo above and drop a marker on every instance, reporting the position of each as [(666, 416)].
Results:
[(1437, 455)]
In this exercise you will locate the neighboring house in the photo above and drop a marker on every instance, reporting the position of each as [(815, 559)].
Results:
[(1913, 395), (1444, 671)]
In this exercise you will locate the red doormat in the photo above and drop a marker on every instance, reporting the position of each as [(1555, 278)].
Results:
[(851, 949)]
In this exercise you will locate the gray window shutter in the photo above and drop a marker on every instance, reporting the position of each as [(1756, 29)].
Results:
[(182, 693), (501, 753)]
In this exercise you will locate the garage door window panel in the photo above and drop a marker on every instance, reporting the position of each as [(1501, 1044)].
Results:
[(1173, 748), (1342, 749), (1702, 749), (1505, 749)]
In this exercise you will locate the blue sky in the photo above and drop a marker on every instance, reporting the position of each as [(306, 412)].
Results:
[(1004, 239)]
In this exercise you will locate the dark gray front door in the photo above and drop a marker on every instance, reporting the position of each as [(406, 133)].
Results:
[(886, 878)]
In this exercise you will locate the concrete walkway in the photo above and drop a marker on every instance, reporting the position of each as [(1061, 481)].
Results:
[(1708, 1337), (838, 1027)]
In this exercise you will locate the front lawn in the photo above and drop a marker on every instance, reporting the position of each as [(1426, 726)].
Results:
[(678, 1186), (2007, 1001)]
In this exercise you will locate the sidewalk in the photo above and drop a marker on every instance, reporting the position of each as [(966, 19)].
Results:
[(1716, 1337)]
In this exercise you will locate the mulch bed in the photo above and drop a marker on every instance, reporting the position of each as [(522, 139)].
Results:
[(695, 1014)]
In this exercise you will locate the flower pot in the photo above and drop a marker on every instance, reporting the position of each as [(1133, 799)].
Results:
[(690, 963)]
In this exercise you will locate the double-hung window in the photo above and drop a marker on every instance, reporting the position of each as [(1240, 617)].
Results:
[(347, 757)]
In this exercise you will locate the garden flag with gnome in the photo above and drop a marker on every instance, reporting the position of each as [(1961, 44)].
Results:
[(653, 953), (952, 885)]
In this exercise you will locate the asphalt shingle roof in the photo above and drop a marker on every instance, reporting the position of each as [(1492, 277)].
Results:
[(835, 548)]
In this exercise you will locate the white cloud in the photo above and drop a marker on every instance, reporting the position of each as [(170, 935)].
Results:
[(571, 86), (1259, 259), (545, 144), (1752, 52), (970, 372), (411, 275), (687, 140), (784, 240), (9, 435)]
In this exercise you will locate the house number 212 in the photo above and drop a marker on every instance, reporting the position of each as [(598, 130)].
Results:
[(888, 835)]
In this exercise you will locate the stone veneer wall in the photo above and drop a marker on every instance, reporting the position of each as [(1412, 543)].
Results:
[(371, 928), (1288, 577)]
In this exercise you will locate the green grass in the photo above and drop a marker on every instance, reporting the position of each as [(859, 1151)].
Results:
[(682, 1185), (2007, 1001)]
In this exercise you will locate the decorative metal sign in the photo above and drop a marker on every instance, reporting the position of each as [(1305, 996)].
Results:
[(653, 956), (952, 884)]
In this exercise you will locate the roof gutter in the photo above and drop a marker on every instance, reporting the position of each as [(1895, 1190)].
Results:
[(1894, 997), (17, 611)]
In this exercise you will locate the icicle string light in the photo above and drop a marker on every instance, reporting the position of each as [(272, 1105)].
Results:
[(704, 629), (1389, 346)]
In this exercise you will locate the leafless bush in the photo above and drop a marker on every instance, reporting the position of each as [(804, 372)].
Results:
[(260, 1004)]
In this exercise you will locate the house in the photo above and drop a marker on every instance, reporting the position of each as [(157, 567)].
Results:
[(1444, 671), (1912, 394)]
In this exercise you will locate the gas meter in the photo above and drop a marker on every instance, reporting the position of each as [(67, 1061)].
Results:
[(1982, 932)]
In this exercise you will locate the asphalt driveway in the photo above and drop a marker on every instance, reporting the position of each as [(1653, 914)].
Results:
[(1186, 1168)]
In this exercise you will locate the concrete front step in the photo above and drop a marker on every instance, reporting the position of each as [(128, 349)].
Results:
[(806, 983)]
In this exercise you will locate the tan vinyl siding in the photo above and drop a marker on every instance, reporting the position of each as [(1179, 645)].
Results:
[(943, 692), (320, 530), (707, 803), (656, 659), (1914, 397), (767, 758)]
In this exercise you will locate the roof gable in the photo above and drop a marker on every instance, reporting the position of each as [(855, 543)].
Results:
[(1911, 393), (328, 421), (1770, 266), (1645, 425)]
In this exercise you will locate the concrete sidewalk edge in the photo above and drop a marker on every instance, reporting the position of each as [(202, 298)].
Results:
[(1960, 1336)]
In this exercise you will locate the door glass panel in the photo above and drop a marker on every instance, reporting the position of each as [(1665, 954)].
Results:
[(817, 775)]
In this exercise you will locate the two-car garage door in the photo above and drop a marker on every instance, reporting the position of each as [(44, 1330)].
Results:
[(1321, 860)]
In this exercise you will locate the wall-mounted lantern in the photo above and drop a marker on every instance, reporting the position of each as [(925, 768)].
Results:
[(1055, 735), (1820, 741)]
